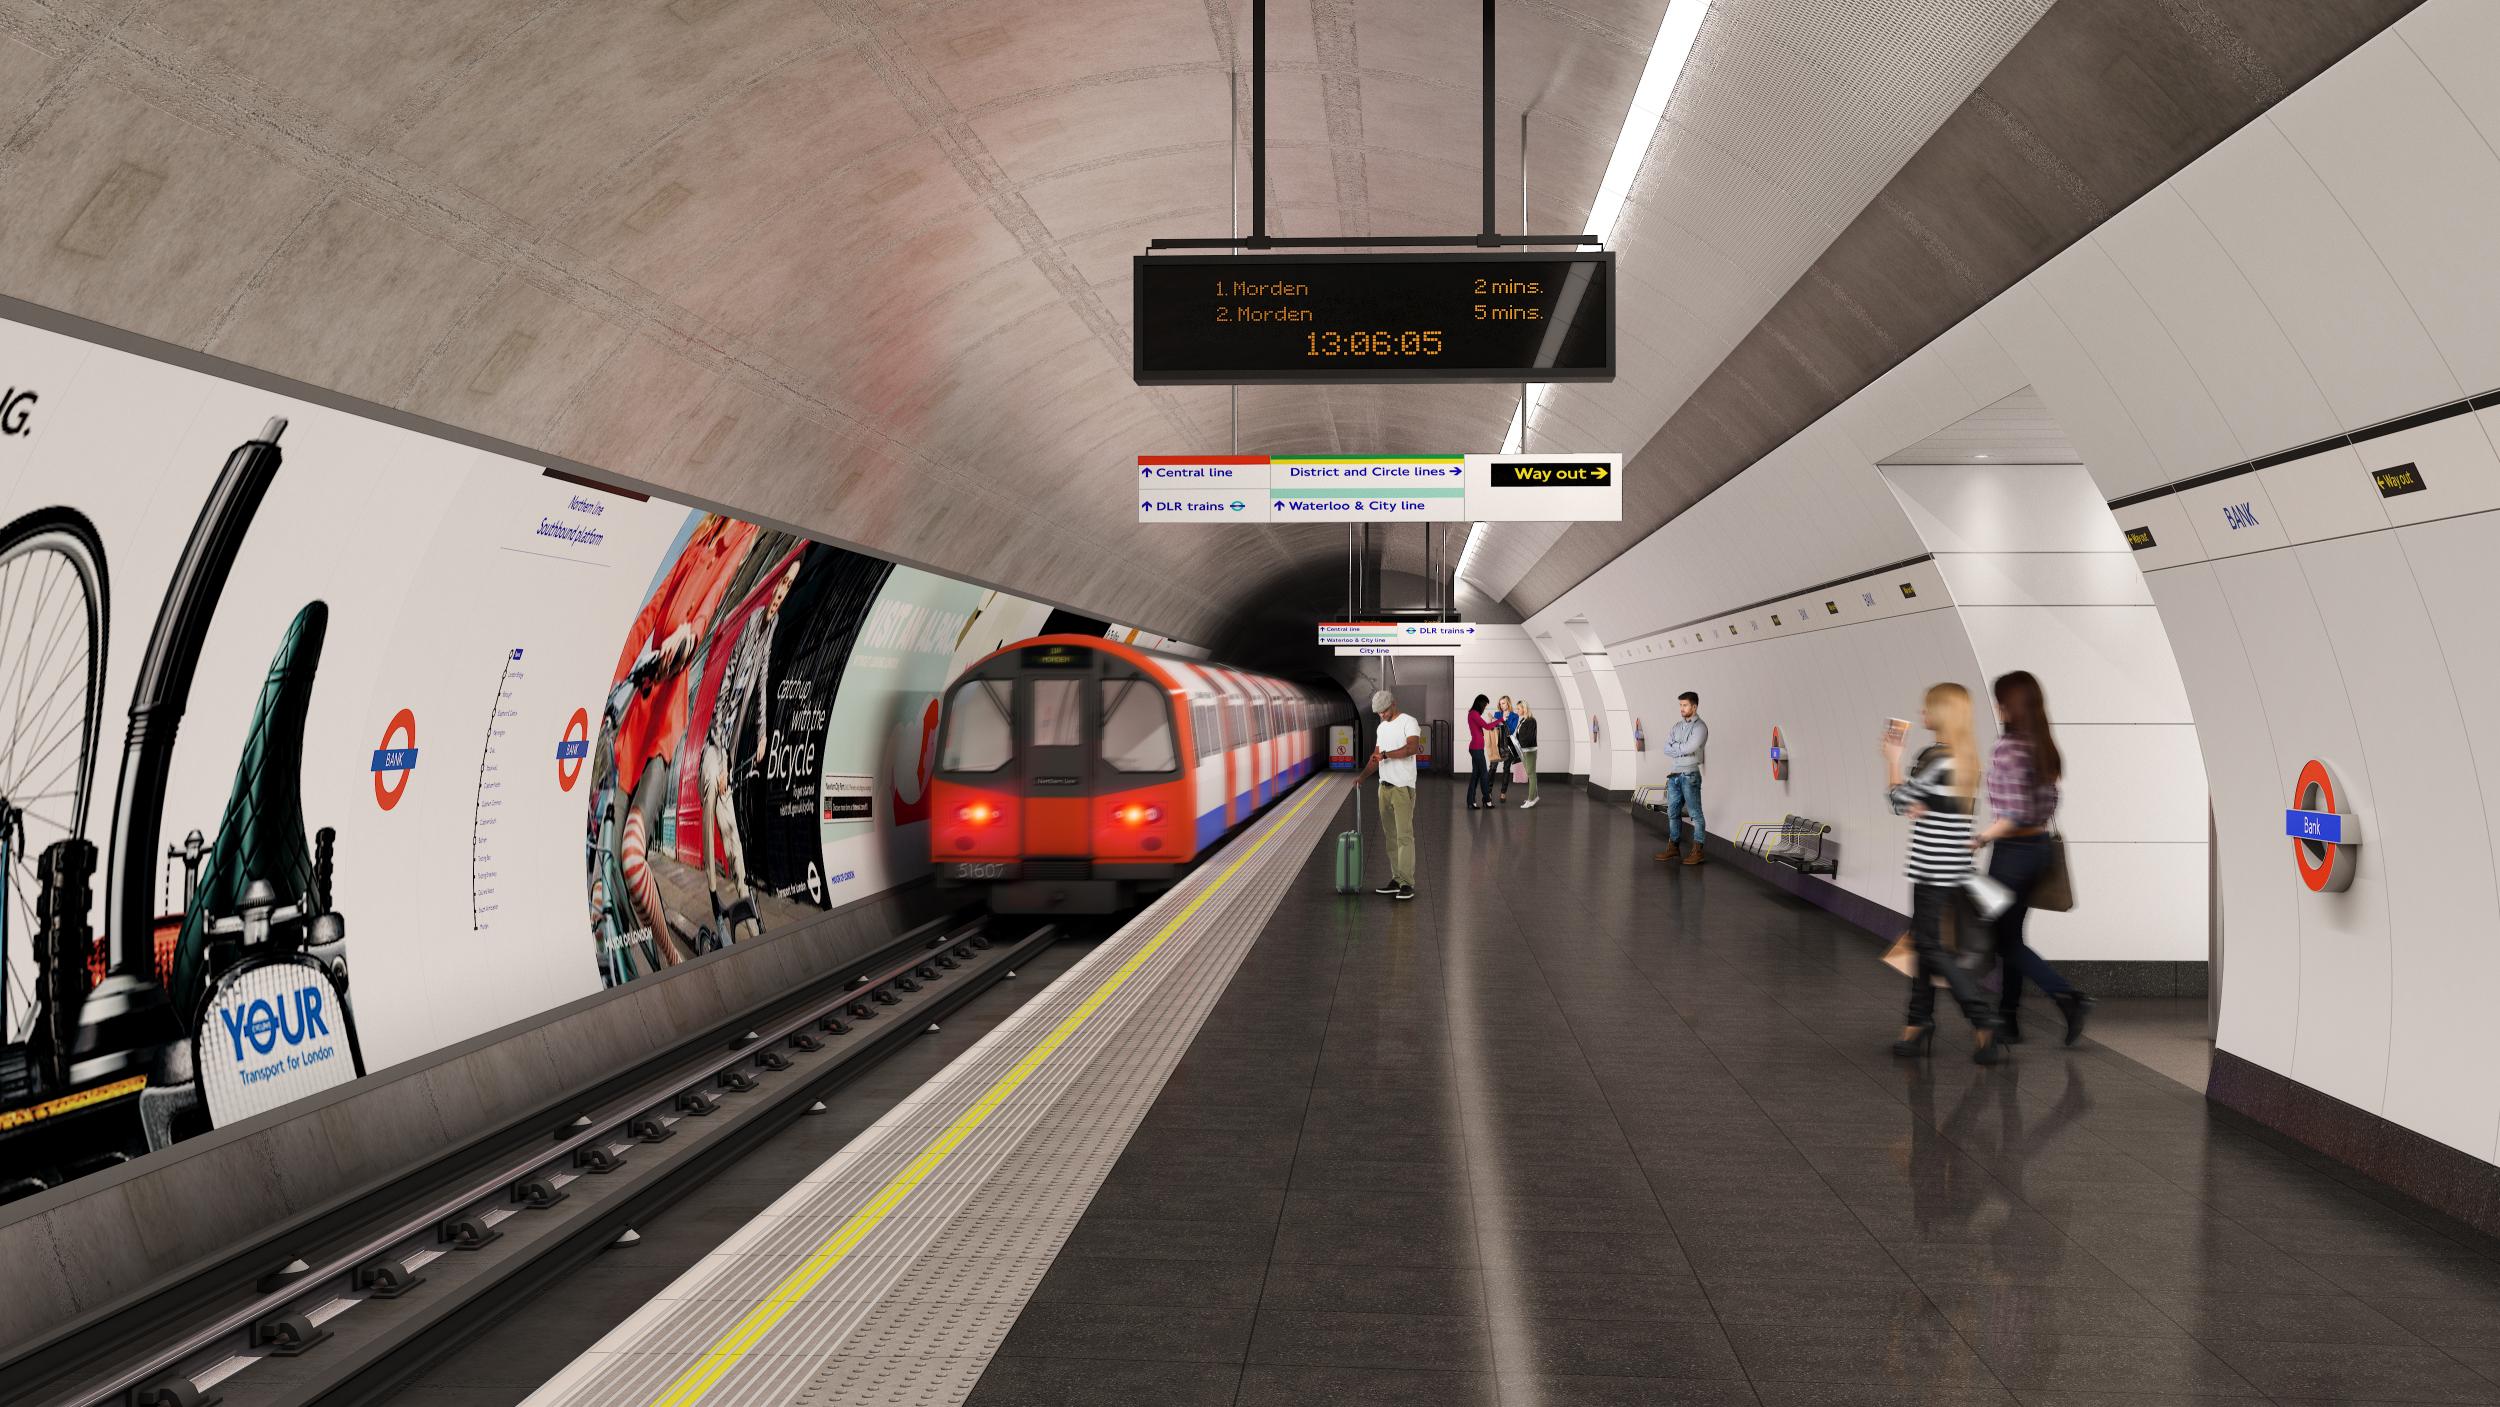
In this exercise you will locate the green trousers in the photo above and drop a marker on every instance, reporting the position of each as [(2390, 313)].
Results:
[(1397, 821)]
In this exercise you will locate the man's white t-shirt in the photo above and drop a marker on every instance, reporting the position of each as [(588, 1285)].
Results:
[(1394, 734)]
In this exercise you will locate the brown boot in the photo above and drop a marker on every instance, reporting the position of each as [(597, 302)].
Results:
[(1668, 855), (1692, 855)]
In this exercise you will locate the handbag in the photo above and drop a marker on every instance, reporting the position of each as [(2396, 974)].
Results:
[(2055, 893), (1902, 956)]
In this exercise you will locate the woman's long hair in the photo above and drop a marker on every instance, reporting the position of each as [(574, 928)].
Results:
[(1948, 705), (2027, 718), (1478, 705)]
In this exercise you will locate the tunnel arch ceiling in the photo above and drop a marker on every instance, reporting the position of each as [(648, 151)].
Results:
[(862, 267)]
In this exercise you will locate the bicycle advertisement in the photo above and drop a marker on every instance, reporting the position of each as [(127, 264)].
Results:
[(320, 738)]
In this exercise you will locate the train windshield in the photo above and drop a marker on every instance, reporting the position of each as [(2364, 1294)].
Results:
[(1058, 713), (1137, 728), (980, 727)]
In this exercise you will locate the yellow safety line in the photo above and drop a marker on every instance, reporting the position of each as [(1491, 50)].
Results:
[(786, 1296)]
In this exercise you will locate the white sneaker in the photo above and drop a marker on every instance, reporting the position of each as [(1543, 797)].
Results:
[(1531, 801)]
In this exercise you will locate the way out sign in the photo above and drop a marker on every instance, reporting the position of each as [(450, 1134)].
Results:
[(2325, 834)]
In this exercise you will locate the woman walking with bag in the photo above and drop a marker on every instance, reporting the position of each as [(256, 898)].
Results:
[(1479, 781), (1937, 795), (2023, 774)]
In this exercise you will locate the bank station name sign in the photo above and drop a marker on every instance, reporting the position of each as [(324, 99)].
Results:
[(1418, 488)]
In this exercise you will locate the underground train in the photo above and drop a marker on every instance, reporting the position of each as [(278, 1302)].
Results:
[(1077, 774)]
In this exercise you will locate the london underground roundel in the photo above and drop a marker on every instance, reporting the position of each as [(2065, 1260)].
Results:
[(2325, 834), (572, 748), (1779, 756), (395, 760)]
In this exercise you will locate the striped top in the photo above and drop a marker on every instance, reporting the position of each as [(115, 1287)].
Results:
[(1940, 837)]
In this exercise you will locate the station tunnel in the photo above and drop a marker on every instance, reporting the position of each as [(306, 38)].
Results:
[(1361, 701)]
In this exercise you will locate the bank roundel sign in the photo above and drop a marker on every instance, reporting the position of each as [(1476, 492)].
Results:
[(572, 748), (2325, 834), (395, 759), (1779, 756)]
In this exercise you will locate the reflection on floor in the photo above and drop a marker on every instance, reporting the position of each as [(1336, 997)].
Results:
[(1573, 1127), (2167, 1034)]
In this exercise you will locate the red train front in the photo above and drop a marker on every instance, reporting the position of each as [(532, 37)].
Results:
[(1078, 775)]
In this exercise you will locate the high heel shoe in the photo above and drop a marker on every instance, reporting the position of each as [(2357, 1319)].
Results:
[(1986, 1049), (2077, 1006), (1915, 1040)]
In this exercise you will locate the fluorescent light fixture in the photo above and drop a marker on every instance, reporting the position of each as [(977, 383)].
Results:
[(1467, 549), (1677, 29)]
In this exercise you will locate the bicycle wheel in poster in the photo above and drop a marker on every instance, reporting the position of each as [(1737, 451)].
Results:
[(52, 636)]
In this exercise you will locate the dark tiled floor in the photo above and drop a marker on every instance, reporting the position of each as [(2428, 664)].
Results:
[(1576, 1128)]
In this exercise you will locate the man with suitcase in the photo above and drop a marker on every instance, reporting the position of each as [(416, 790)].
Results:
[(1399, 739)]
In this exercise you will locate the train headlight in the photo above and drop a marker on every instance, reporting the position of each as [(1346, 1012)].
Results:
[(1139, 815), (976, 813)]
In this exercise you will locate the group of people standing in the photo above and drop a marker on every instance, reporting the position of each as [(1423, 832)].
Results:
[(1939, 791), (1497, 742)]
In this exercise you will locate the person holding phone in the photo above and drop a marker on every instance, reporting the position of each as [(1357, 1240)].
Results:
[(1526, 738), (1937, 793)]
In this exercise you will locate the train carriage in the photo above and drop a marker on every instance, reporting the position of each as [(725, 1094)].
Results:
[(1078, 774)]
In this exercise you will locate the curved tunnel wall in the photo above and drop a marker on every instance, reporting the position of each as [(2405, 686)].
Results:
[(2221, 352), (469, 671)]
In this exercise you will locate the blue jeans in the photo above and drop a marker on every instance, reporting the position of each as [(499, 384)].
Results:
[(1684, 794), (1479, 781)]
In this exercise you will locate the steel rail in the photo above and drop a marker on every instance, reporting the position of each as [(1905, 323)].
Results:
[(157, 1367)]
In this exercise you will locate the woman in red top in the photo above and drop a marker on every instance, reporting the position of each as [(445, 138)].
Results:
[(1479, 781)]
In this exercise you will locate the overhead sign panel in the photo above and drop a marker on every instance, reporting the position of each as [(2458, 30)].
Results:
[(1414, 488), (1315, 319), (1376, 633), (1550, 488)]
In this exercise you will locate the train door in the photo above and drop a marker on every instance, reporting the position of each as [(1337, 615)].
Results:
[(1057, 711)]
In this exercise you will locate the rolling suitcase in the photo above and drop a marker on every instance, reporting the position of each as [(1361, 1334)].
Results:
[(1350, 850)]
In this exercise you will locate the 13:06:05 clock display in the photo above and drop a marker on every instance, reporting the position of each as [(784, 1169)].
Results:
[(1357, 318)]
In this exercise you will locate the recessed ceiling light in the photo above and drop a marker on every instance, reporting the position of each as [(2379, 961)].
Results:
[(1979, 456)]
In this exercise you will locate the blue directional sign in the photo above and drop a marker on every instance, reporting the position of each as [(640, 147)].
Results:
[(2324, 827)]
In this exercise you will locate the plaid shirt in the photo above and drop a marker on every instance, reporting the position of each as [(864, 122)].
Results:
[(2016, 794)]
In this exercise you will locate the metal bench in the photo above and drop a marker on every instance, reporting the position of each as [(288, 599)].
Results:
[(1798, 842)]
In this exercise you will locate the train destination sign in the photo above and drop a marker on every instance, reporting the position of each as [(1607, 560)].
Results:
[(1315, 319)]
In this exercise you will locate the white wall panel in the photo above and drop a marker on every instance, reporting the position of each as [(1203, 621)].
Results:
[(2044, 579), (2241, 355), (2144, 367), (2317, 275), (2344, 1013), (2123, 904), (2222, 532), (2165, 517), (2327, 494), (1987, 373), (2096, 420), (2456, 463), (2425, 838), (2122, 783), (2459, 42), (2261, 981), (2099, 664), (2421, 184), (2005, 508)]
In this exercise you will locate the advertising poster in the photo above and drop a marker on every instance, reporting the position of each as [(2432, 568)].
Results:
[(323, 741)]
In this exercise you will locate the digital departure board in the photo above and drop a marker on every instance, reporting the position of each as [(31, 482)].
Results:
[(1216, 320)]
